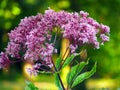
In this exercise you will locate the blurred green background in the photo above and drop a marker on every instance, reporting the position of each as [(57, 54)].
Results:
[(108, 56)]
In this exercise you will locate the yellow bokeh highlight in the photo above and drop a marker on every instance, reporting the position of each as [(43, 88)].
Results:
[(64, 47), (101, 83), (64, 74), (45, 86), (26, 73)]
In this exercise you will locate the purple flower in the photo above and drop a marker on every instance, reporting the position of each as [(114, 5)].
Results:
[(104, 29), (13, 49), (37, 46), (85, 31), (104, 38), (33, 36), (4, 60), (34, 70), (83, 14), (17, 36), (73, 48)]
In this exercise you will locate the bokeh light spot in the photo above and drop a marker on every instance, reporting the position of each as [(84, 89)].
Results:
[(7, 14), (3, 3), (32, 2), (16, 10), (64, 4), (1, 12), (26, 73), (8, 25)]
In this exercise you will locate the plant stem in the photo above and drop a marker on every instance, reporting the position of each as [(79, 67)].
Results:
[(60, 81), (63, 58), (55, 39), (65, 52), (58, 75), (12, 62)]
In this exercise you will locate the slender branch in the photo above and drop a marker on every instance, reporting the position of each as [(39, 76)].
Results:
[(12, 62), (65, 52), (68, 86), (55, 69), (46, 70), (58, 75), (60, 81), (65, 58), (55, 39)]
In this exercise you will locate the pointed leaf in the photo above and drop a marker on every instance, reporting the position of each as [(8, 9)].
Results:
[(30, 86), (58, 62), (75, 70), (69, 59), (84, 76), (57, 82)]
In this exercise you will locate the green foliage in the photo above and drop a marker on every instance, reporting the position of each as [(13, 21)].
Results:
[(84, 76), (75, 70), (69, 60), (57, 82), (73, 77), (58, 62), (30, 86)]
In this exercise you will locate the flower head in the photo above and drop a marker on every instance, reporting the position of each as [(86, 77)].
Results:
[(85, 31), (33, 36)]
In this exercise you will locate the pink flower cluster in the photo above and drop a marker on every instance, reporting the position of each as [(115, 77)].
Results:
[(82, 30), (4, 60), (33, 35), (34, 70)]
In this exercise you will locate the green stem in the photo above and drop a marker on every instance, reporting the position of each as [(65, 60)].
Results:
[(58, 75), (63, 58), (60, 81)]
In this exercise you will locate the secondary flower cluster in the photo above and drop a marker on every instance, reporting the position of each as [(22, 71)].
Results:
[(33, 35)]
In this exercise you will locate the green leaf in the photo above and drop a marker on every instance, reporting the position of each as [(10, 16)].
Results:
[(58, 62), (68, 60), (27, 88), (75, 70), (84, 76), (57, 82), (30, 86)]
